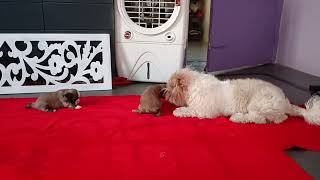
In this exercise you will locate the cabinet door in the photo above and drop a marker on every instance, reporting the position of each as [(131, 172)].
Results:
[(243, 33), (22, 17)]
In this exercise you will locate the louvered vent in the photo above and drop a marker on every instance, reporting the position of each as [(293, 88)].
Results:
[(150, 13)]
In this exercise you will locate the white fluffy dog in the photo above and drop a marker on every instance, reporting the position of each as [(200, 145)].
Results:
[(243, 100)]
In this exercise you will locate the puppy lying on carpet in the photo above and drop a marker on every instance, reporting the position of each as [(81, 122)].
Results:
[(244, 100), (150, 101), (50, 102)]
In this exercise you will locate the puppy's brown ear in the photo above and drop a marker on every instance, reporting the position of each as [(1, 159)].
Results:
[(162, 93), (68, 95)]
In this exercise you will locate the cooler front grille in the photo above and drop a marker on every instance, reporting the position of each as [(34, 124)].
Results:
[(150, 13)]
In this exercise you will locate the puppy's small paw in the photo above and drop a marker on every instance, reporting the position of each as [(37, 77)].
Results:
[(78, 107), (50, 110), (136, 111), (158, 114)]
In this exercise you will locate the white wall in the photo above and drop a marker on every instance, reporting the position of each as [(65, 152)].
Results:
[(299, 44)]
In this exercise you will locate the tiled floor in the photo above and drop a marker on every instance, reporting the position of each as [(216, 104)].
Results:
[(294, 83), (197, 55), (197, 51)]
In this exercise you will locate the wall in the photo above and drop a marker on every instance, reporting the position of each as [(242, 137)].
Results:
[(299, 45)]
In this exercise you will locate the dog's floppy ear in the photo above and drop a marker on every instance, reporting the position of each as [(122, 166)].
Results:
[(181, 81), (68, 95)]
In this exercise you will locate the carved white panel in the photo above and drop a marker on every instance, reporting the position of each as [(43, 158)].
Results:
[(32, 63)]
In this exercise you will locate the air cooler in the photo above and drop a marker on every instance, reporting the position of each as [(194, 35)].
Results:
[(150, 38)]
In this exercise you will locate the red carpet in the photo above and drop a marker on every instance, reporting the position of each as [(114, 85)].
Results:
[(105, 141), (120, 81)]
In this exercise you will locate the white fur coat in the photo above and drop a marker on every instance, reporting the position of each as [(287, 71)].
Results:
[(243, 100)]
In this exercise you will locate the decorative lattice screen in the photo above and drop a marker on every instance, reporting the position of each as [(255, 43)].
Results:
[(46, 62)]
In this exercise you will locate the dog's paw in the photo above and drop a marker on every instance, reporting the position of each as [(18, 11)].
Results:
[(177, 113), (78, 107), (237, 118), (248, 118), (277, 118), (181, 112)]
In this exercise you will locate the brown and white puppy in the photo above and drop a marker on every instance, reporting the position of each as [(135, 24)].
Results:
[(50, 102), (150, 101)]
